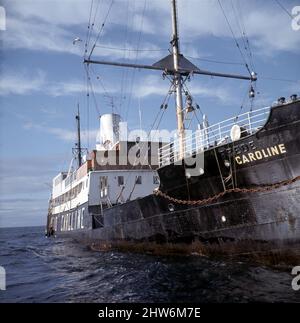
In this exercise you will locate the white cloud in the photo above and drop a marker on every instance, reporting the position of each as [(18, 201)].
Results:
[(113, 51), (62, 133), (25, 83), (153, 85), (267, 26), (50, 25), (270, 30), (66, 12), (21, 84), (32, 35)]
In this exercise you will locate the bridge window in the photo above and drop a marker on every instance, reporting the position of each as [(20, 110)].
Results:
[(81, 218), (120, 180), (138, 179), (155, 179)]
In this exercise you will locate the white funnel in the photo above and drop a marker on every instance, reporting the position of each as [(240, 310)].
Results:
[(109, 130)]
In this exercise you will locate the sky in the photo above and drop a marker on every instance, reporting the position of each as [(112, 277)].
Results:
[(42, 76)]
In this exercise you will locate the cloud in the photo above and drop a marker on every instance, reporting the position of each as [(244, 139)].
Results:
[(62, 133), (51, 25), (21, 84), (114, 51), (267, 26), (25, 83), (39, 36), (153, 85), (271, 31)]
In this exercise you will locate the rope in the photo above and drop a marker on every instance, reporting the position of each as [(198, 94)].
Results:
[(93, 24), (101, 28), (245, 39), (89, 28), (136, 59), (234, 37), (214, 61), (209, 200), (132, 49), (125, 70), (219, 168), (284, 9)]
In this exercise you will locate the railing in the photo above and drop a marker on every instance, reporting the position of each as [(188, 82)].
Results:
[(213, 136)]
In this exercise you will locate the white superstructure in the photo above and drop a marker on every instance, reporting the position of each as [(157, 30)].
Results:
[(93, 186)]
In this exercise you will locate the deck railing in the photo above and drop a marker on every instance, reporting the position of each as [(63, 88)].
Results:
[(213, 136)]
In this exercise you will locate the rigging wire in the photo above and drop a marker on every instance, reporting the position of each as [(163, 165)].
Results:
[(198, 106), (136, 58), (94, 98), (245, 39), (125, 71), (158, 118), (91, 88), (214, 61), (93, 24), (234, 37), (89, 28), (279, 79), (243, 104), (102, 27), (106, 93), (88, 108), (132, 49), (239, 9), (284, 9)]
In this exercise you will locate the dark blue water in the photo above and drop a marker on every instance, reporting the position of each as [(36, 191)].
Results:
[(57, 270)]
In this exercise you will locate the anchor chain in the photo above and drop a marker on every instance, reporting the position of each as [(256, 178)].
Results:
[(263, 188)]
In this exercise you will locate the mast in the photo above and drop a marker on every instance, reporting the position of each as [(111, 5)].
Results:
[(78, 139), (177, 66), (177, 79)]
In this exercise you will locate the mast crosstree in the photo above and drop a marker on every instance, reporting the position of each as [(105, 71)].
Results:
[(177, 66)]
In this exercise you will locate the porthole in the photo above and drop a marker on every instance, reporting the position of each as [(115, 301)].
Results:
[(171, 207)]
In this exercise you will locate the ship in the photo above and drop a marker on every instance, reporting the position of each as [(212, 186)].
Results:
[(236, 182)]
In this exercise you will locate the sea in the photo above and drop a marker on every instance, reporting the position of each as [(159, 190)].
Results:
[(43, 270)]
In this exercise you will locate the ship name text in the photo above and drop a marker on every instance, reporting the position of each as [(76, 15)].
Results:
[(260, 154)]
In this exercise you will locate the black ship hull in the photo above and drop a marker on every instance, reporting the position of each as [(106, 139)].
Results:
[(272, 215)]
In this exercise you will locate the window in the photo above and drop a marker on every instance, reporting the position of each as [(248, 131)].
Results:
[(57, 181), (62, 223), (81, 219), (138, 179), (69, 221), (55, 223), (78, 219), (156, 180), (103, 186), (103, 182), (66, 222), (120, 180), (72, 220)]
